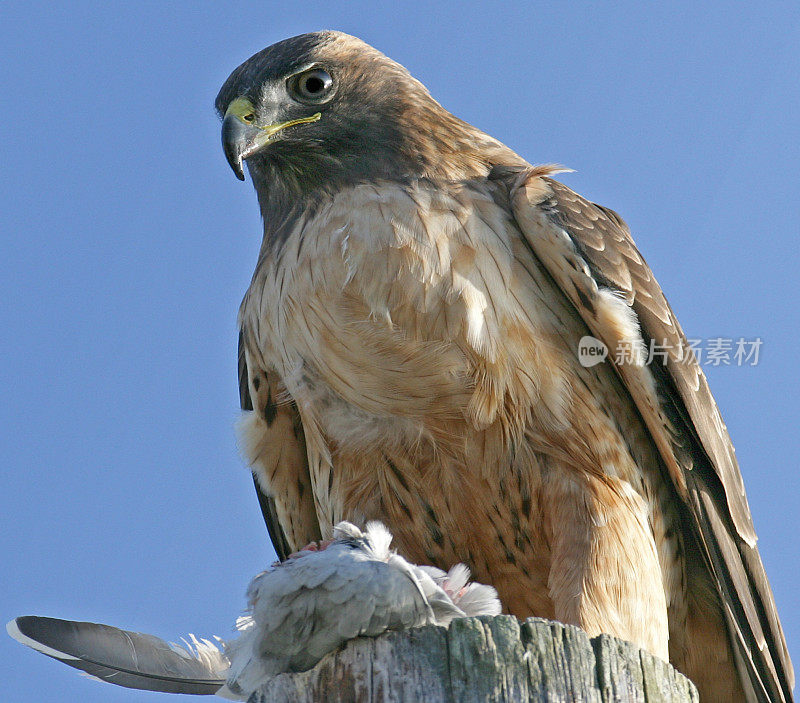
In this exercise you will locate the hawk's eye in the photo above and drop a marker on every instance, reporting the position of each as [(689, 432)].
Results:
[(311, 86)]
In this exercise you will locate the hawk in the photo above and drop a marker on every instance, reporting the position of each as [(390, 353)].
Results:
[(408, 353)]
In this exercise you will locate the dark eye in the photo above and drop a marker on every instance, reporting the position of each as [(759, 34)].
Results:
[(311, 86)]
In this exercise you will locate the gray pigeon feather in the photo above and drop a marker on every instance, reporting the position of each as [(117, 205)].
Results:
[(129, 659)]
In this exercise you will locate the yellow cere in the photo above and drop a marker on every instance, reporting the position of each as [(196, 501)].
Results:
[(244, 110)]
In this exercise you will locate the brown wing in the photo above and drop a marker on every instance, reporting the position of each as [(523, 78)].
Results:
[(274, 444), (588, 248)]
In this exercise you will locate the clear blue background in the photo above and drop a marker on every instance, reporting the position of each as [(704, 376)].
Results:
[(127, 244)]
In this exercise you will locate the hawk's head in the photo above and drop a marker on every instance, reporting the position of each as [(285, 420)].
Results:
[(326, 109)]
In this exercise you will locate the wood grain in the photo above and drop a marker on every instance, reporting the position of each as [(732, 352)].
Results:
[(486, 659)]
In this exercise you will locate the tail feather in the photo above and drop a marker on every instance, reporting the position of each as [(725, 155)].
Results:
[(124, 658)]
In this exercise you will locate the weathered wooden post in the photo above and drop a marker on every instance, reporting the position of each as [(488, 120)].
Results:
[(484, 659)]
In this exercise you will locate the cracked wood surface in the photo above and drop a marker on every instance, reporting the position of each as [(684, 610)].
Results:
[(485, 659)]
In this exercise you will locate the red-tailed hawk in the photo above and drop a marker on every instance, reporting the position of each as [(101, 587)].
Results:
[(409, 353)]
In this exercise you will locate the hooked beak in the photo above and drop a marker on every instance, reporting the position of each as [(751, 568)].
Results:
[(242, 137)]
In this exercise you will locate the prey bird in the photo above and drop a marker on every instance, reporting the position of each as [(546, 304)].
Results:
[(298, 611), (353, 586), (408, 353)]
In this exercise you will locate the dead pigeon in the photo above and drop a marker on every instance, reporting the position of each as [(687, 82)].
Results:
[(298, 611)]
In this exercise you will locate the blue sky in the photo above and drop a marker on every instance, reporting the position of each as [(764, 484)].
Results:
[(127, 244)]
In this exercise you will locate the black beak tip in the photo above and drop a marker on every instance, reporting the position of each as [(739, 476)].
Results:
[(233, 138), (234, 159)]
